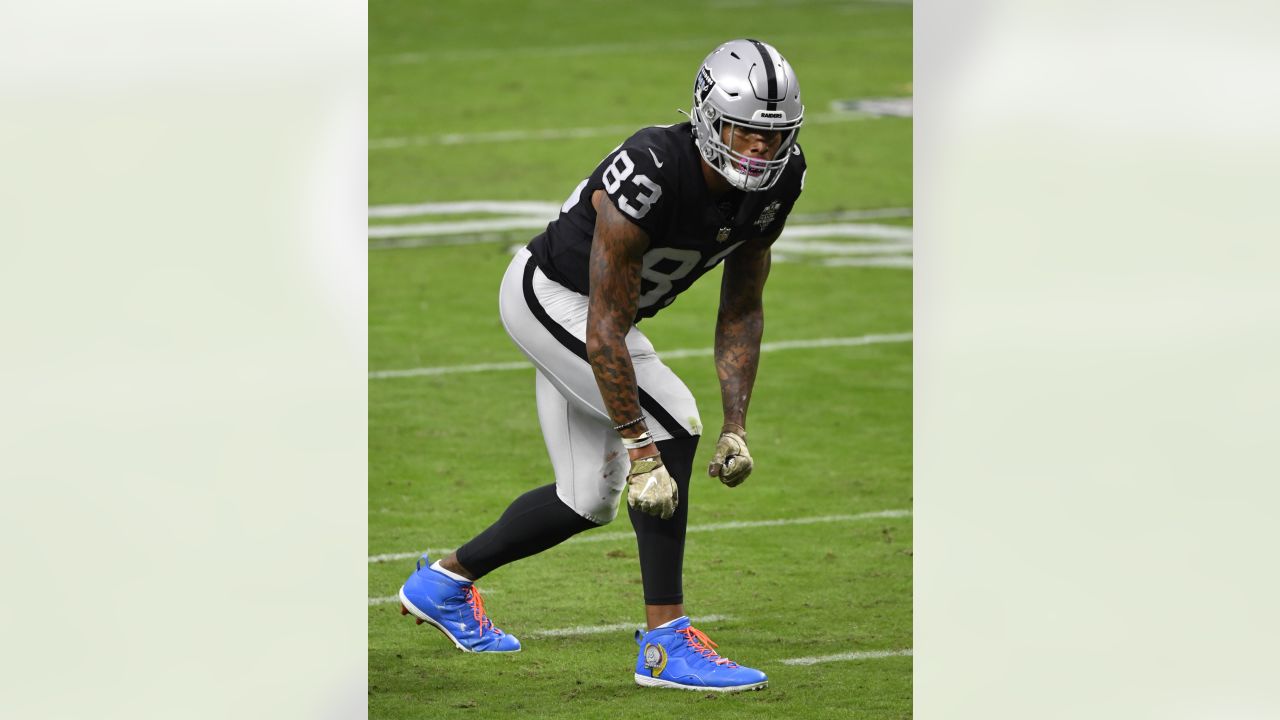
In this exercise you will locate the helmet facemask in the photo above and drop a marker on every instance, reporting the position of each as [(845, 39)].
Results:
[(751, 173)]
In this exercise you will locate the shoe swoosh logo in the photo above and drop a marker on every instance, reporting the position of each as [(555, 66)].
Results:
[(655, 158)]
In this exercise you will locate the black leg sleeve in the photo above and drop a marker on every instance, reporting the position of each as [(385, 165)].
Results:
[(661, 542), (535, 521)]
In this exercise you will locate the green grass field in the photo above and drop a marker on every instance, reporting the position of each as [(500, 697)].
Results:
[(514, 101)]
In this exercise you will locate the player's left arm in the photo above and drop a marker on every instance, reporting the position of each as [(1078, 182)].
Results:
[(739, 328)]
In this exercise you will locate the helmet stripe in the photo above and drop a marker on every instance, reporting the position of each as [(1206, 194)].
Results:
[(769, 74)]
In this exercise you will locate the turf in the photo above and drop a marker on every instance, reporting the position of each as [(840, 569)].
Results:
[(830, 427)]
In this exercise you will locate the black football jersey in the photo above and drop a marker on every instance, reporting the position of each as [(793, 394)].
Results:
[(655, 180)]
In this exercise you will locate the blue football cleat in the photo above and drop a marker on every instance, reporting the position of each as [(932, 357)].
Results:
[(455, 608), (681, 656)]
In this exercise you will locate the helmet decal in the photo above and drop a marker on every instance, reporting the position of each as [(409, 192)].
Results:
[(702, 84), (771, 79)]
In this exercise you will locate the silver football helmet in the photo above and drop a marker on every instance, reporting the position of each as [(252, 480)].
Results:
[(745, 83)]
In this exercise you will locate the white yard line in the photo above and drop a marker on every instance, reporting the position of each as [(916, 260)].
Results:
[(461, 227), (668, 355), (867, 231), (615, 627), (514, 53), (904, 262), (828, 249), (550, 209), (511, 53), (579, 630), (396, 598), (870, 214), (710, 527), (497, 136), (448, 370), (449, 240), (622, 131), (867, 655), (508, 207)]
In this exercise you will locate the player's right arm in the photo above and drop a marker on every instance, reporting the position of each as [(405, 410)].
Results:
[(617, 250)]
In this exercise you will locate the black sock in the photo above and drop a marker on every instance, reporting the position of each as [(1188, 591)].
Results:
[(661, 542), (535, 521)]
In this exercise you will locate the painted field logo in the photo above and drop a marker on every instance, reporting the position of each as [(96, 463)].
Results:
[(767, 215)]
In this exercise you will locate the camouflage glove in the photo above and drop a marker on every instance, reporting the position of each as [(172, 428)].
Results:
[(731, 463), (650, 488)]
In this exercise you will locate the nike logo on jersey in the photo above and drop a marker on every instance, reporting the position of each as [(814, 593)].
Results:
[(655, 158)]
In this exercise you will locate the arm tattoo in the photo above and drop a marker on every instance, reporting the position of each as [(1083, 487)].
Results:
[(616, 253), (739, 327)]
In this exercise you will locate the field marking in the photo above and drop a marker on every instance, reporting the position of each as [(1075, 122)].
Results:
[(615, 627), (870, 214), (445, 241), (498, 136), (667, 355), (510, 207), (409, 58), (534, 215), (461, 227), (829, 249), (709, 527), (646, 48), (905, 262), (866, 655), (550, 209), (869, 231), (865, 232), (387, 600), (580, 630)]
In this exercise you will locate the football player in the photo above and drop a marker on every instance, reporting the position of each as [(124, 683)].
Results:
[(657, 213)]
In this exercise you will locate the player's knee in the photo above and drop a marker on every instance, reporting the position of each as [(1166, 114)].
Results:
[(595, 497), (597, 510)]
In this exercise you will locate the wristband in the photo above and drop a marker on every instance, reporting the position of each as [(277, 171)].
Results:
[(637, 442)]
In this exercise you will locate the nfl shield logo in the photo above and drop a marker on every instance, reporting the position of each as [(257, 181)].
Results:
[(766, 215), (723, 234)]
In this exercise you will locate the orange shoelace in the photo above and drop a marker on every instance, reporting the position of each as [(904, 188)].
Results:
[(702, 644), (477, 609)]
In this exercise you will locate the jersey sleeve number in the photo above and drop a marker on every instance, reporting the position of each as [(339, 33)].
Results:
[(622, 168)]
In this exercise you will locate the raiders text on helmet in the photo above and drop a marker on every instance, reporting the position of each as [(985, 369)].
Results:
[(745, 83)]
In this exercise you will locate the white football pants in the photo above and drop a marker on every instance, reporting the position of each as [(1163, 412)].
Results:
[(548, 322)]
